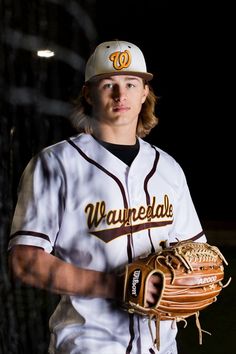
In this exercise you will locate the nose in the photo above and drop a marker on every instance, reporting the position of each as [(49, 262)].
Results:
[(118, 93)]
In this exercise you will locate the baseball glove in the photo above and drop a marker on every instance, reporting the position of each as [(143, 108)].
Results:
[(191, 279)]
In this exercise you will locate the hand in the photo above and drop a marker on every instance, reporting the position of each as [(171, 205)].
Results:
[(153, 290)]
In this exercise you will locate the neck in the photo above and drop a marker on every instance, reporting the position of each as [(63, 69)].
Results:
[(115, 135)]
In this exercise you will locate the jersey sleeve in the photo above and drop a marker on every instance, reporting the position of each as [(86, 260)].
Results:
[(186, 223), (39, 207)]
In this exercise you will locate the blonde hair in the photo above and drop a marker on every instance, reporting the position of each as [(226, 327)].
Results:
[(82, 119)]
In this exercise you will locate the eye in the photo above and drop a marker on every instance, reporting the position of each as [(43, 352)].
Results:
[(108, 85), (130, 85)]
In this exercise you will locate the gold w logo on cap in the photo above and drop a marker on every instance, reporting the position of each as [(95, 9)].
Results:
[(121, 60)]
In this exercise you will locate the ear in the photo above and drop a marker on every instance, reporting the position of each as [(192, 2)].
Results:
[(86, 94), (145, 93)]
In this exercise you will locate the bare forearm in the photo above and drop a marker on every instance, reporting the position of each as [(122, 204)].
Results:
[(37, 268)]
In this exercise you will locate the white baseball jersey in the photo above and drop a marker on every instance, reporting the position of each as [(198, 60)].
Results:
[(91, 209)]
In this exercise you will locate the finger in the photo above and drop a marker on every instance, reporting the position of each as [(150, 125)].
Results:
[(156, 279), (152, 295), (151, 300), (153, 288)]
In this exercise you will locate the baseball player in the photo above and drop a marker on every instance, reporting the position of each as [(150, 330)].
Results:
[(91, 204)]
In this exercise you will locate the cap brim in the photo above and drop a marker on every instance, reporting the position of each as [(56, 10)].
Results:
[(145, 76)]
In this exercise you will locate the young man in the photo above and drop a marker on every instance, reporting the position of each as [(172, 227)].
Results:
[(100, 200)]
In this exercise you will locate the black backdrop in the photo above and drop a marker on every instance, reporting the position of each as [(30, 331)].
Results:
[(189, 50)]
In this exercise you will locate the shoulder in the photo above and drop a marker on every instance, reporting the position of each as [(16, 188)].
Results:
[(54, 157), (164, 157), (167, 167), (59, 147), (64, 150)]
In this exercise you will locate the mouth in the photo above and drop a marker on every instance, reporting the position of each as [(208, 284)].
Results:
[(120, 109)]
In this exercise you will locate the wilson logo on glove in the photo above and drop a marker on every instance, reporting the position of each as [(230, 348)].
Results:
[(135, 282)]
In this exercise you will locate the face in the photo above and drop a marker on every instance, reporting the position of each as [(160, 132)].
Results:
[(117, 100)]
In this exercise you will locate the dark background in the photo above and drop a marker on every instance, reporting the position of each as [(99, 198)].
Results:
[(189, 49)]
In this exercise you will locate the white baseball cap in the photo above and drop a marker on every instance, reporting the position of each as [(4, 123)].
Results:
[(116, 58)]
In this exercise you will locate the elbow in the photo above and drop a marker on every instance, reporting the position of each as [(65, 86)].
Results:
[(22, 262), (15, 263)]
